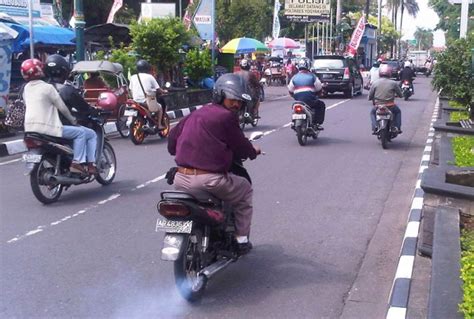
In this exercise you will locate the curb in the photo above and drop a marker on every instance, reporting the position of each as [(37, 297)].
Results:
[(17, 146), (401, 283)]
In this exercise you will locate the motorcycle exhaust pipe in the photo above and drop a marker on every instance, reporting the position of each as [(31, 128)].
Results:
[(64, 180), (214, 268)]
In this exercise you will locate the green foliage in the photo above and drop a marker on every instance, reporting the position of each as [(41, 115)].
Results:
[(424, 38), (456, 105), (128, 61), (243, 18), (463, 151), (449, 15), (198, 64), (159, 41), (467, 274), (452, 72), (458, 116)]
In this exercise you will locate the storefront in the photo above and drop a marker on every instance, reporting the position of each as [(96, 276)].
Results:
[(367, 51)]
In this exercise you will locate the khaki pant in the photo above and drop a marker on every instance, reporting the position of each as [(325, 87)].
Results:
[(230, 188)]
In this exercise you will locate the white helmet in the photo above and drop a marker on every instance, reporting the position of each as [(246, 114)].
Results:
[(407, 64)]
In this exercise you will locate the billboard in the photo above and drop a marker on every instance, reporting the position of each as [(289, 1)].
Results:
[(307, 10), (19, 8), (203, 19), (157, 10)]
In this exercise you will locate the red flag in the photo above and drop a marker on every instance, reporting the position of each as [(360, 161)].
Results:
[(187, 17), (356, 37), (115, 7)]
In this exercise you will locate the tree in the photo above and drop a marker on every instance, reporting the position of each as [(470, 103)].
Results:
[(449, 18), (159, 41), (424, 38), (452, 72)]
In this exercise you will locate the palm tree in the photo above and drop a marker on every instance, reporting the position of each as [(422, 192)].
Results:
[(412, 8), (424, 38)]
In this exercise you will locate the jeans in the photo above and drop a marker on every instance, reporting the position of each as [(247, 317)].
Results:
[(84, 142), (397, 117)]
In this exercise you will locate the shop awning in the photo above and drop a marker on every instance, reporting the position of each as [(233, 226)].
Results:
[(44, 36)]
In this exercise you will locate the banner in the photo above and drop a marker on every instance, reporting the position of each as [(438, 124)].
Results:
[(5, 71), (115, 7), (187, 16), (307, 10), (356, 37), (276, 20), (203, 19)]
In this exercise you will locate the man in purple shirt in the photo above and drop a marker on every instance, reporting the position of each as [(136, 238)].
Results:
[(205, 144)]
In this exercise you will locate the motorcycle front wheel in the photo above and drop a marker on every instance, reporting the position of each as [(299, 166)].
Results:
[(43, 190), (107, 165), (166, 122), (242, 120), (121, 123), (190, 284), (137, 134), (301, 136)]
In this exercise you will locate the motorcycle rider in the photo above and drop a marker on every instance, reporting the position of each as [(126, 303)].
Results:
[(384, 91), (42, 103), (304, 86), (407, 74), (252, 86), (374, 72), (206, 142), (145, 83)]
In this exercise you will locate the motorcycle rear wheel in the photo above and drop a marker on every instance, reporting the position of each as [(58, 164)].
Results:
[(121, 122), (406, 96), (384, 137), (107, 165), (186, 268), (45, 193), (302, 138), (137, 134)]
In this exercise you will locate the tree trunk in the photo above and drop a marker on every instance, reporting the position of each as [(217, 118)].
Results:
[(401, 28)]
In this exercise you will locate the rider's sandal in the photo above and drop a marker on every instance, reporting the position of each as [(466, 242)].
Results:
[(77, 168)]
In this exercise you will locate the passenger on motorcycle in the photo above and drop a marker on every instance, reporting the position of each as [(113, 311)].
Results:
[(374, 72), (252, 86), (143, 85), (206, 142), (384, 91), (42, 103), (304, 86), (407, 74), (57, 70)]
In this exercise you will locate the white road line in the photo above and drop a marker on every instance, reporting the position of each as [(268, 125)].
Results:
[(9, 162), (396, 313), (336, 104)]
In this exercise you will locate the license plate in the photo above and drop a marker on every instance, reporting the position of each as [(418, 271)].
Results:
[(32, 158), (298, 116), (130, 113), (383, 117), (174, 226), (327, 76)]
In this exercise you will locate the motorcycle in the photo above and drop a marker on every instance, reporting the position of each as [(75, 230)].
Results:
[(406, 89), (246, 116), (143, 123), (48, 160), (199, 235), (385, 130), (302, 122)]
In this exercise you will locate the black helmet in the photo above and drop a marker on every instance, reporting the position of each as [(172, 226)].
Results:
[(230, 86), (56, 66), (143, 66), (245, 64)]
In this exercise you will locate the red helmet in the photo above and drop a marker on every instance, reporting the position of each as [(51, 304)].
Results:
[(107, 101), (32, 69), (385, 70)]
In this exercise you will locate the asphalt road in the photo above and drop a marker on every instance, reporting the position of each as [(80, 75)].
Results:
[(328, 224)]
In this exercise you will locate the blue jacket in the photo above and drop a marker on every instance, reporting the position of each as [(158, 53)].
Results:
[(304, 85)]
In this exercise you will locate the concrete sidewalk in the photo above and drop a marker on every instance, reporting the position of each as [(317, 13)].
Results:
[(14, 144)]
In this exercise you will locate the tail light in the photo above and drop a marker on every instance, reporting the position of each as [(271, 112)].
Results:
[(215, 215), (298, 108), (346, 74), (173, 209), (32, 142)]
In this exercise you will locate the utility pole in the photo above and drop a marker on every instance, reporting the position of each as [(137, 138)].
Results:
[(367, 9), (338, 11), (464, 18), (79, 25), (30, 24)]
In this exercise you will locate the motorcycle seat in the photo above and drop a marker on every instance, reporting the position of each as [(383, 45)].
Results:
[(200, 197), (48, 138)]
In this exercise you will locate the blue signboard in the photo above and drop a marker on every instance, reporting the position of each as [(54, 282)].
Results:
[(203, 19)]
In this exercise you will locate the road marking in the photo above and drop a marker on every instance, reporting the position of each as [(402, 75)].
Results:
[(9, 162)]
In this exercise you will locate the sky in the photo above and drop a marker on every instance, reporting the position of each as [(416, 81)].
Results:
[(426, 18)]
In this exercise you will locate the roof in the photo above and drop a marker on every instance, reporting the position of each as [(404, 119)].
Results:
[(97, 66), (46, 36)]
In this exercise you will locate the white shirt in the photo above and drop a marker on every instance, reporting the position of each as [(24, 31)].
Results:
[(374, 74), (149, 85)]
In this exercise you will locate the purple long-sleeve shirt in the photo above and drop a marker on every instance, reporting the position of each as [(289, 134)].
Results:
[(208, 139)]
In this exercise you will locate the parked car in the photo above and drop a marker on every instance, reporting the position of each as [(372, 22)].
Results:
[(395, 65), (338, 74)]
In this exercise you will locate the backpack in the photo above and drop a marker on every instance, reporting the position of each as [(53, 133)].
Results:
[(16, 112)]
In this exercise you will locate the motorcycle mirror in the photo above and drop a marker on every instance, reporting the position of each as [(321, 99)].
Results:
[(255, 136), (167, 85)]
